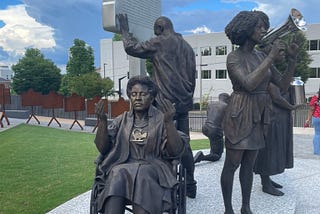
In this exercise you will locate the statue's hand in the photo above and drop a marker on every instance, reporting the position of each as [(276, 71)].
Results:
[(123, 23), (99, 109), (277, 49), (293, 50), (294, 46), (298, 106), (167, 108)]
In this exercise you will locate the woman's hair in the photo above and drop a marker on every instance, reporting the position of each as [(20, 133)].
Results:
[(242, 26), (143, 80)]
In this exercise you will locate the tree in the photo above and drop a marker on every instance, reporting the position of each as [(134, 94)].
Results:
[(149, 67), (36, 72), (81, 77), (116, 37), (91, 85), (81, 60)]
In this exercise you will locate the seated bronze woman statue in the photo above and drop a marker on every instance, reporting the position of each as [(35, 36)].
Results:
[(136, 153)]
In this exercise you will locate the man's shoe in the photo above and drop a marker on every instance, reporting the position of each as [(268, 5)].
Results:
[(198, 157)]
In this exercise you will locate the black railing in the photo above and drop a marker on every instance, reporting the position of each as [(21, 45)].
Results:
[(197, 118)]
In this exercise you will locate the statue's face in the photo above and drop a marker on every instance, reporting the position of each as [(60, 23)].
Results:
[(140, 97), (157, 29), (259, 31)]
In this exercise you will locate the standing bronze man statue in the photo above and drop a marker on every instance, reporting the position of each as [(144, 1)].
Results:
[(174, 73), (248, 113)]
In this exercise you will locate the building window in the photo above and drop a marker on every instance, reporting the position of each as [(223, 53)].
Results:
[(221, 74), (315, 73), (235, 47), (196, 74), (221, 50), (314, 45), (206, 74), (205, 51), (195, 50)]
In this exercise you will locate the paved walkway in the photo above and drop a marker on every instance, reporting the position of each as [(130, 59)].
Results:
[(301, 184)]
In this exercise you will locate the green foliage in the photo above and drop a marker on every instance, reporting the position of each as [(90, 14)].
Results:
[(205, 99), (36, 72), (116, 37), (149, 67), (81, 59), (81, 77), (107, 86), (87, 85), (91, 84), (67, 85)]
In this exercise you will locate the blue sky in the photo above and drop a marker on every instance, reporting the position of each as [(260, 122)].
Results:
[(51, 26)]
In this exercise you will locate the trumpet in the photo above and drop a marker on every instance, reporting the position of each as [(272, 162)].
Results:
[(295, 22)]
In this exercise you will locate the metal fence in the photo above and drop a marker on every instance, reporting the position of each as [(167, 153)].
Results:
[(198, 118)]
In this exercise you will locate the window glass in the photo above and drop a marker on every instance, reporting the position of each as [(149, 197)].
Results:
[(314, 72), (205, 51), (313, 45), (221, 50), (206, 74), (221, 74)]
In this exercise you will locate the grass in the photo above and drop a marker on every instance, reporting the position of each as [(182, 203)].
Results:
[(43, 167)]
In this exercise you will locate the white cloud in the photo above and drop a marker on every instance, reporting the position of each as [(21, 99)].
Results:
[(202, 29), (20, 31)]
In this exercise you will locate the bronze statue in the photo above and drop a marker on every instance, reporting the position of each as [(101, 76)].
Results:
[(248, 112), (212, 128), (174, 71), (277, 155), (136, 153)]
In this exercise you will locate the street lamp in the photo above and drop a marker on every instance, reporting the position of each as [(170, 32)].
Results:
[(201, 80), (104, 70)]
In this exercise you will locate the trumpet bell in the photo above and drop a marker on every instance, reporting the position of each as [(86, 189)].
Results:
[(295, 22)]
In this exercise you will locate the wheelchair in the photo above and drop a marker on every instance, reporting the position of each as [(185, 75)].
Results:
[(178, 192)]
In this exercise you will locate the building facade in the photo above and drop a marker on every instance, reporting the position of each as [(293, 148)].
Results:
[(5, 72), (211, 52)]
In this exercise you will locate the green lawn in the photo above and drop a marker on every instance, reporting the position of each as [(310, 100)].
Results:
[(42, 167)]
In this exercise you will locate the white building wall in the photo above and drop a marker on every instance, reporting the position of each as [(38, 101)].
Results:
[(113, 53), (6, 72), (114, 62), (313, 84)]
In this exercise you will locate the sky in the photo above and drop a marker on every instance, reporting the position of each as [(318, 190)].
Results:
[(51, 26)]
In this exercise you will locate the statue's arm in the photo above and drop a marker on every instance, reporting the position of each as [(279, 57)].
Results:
[(131, 45), (102, 140), (174, 144), (283, 81), (279, 100)]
